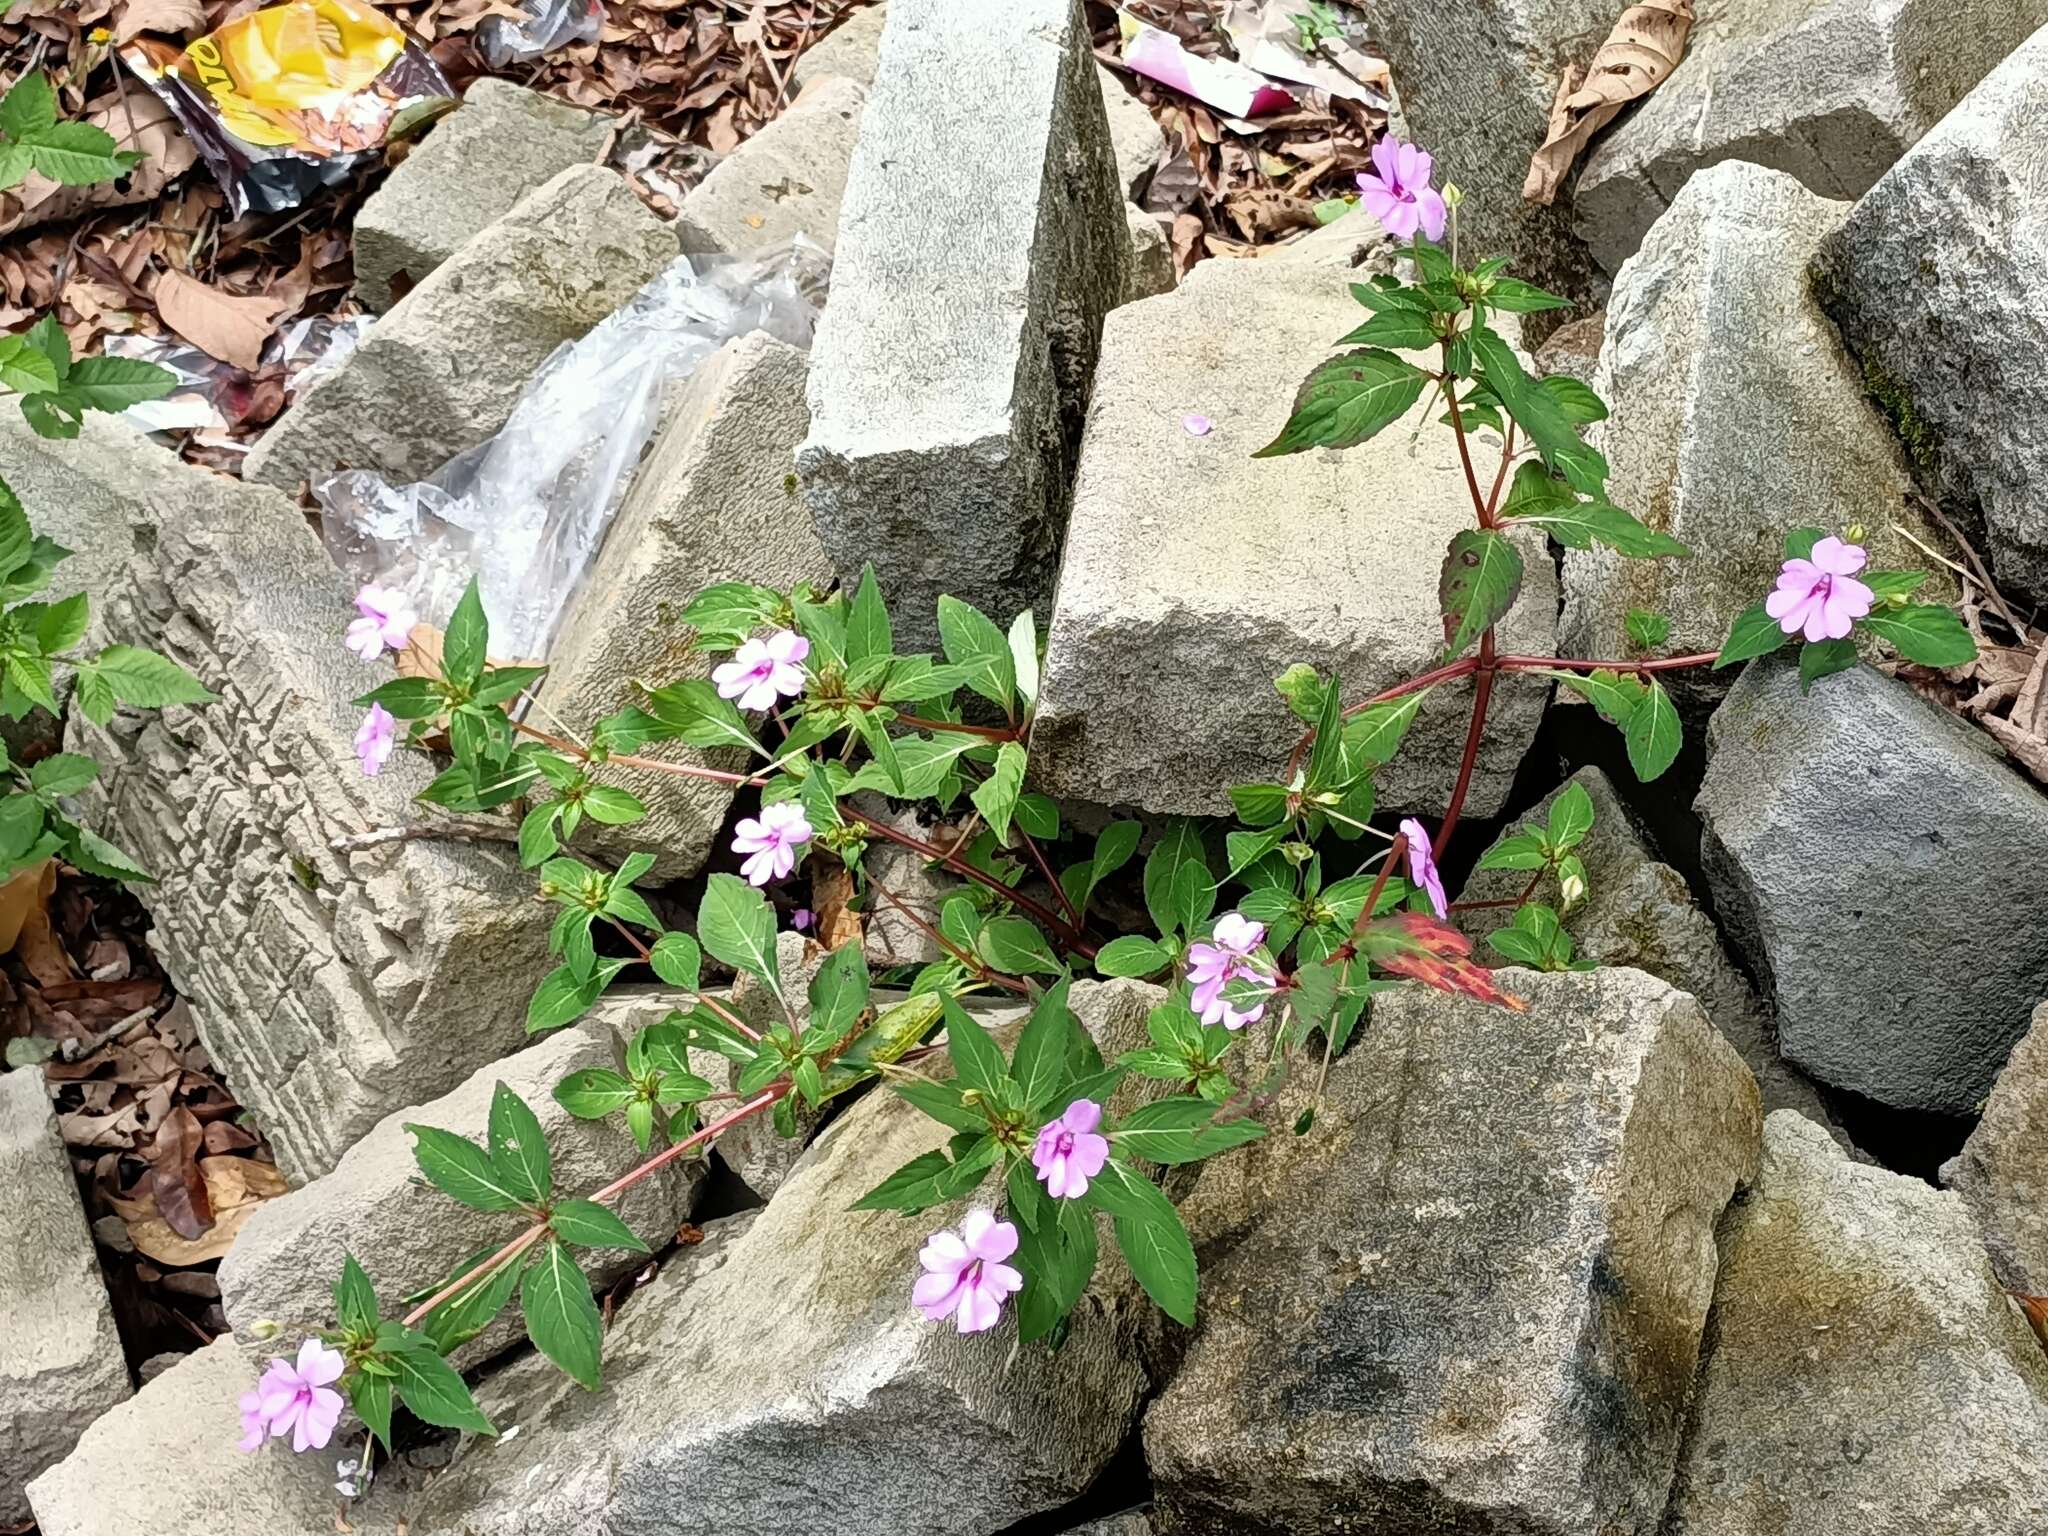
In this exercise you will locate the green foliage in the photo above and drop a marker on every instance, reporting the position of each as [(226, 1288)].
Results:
[(32, 138), (1347, 401), (1481, 577)]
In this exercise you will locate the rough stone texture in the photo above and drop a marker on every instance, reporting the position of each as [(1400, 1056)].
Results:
[(1342, 246), (60, 1359), (1134, 134), (848, 50), (720, 1416), (2002, 1173), (1884, 874), (1196, 574), (1134, 1523), (1574, 348), (1736, 417), (888, 936), (406, 1234), (714, 501), (165, 1462), (1151, 268), (1639, 913), (1937, 280), (1829, 91), (981, 243), (470, 169), (786, 180), (440, 373), (1862, 1371), (1471, 1300), (1477, 79), (332, 988), (758, 1157)]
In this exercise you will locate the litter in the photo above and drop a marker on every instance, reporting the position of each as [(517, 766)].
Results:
[(1224, 84), (548, 26)]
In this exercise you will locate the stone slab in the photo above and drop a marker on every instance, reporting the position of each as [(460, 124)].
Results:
[(787, 180), (2002, 1172), (849, 50)]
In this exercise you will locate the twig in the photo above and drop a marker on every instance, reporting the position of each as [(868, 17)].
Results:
[(72, 1050), (1928, 506)]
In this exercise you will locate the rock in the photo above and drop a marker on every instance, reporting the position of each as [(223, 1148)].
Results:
[(1134, 135), (1471, 1298), (2002, 1167), (714, 501), (1862, 1371), (848, 50), (331, 987), (1736, 417), (786, 180), (1196, 574), (1935, 280), (470, 170), (724, 1413), (60, 1358), (1353, 245), (1831, 93), (1477, 80), (165, 1462), (440, 373), (1639, 913), (758, 1156), (888, 936), (1135, 1523), (407, 1235), (1151, 268), (1884, 875), (1574, 348), (980, 244)]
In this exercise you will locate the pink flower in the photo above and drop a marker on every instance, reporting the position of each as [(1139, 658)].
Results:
[(1422, 865), (802, 919), (1195, 424), (375, 739), (964, 1274), (1213, 966), (1821, 595), (254, 1433), (762, 671), (387, 620), (771, 841), (298, 1399), (1400, 196), (1069, 1153)]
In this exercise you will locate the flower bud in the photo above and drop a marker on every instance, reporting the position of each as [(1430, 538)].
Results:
[(264, 1329), (1454, 195), (1856, 534), (1573, 889)]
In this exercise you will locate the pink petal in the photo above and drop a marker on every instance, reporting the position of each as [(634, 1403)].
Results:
[(1838, 558), (1818, 625), (1386, 160), (1376, 199), (1402, 220), (1854, 596), (1433, 213), (978, 1311), (1195, 424), (1082, 1116), (1404, 167), (937, 1294), (787, 646), (1055, 1174), (1781, 602), (1421, 169), (996, 1240), (1801, 575), (1090, 1152), (1001, 1279)]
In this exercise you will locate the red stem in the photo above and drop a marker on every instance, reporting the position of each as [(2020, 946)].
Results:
[(1482, 695), (992, 732), (1665, 664), (1045, 869), (993, 978)]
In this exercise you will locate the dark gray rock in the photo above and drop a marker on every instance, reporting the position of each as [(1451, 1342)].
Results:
[(2002, 1172), (1884, 874)]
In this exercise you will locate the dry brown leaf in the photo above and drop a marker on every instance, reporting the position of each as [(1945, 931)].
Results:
[(223, 325), (138, 121), (1638, 56), (235, 1186), (174, 1179), (175, 17)]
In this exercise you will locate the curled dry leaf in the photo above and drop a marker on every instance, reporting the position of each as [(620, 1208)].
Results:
[(174, 17), (235, 1186), (1638, 56), (174, 1178), (220, 324)]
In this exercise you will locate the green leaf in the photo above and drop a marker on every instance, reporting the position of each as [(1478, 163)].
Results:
[(1038, 815), (467, 640), (1822, 658), (519, 1148), (1159, 1254), (981, 651), (564, 996), (1799, 542), (610, 806), (677, 961), (867, 622), (96, 856), (996, 796), (821, 624), (1247, 848), (941, 1101), (150, 681), (1182, 1130), (1014, 946), (1577, 524), (94, 697), (1132, 955), (538, 839), (15, 164), (1538, 414), (355, 1299), (735, 924), (838, 994), (1653, 733), (23, 369), (1180, 847), (30, 107), (1057, 1259), (1039, 1063), (1303, 689), (1754, 633), (79, 154), (1327, 763), (1259, 805), (977, 1060), (31, 676), (697, 715), (1374, 734), (1579, 404), (470, 1310), (1924, 632), (62, 773), (368, 1393), (590, 1225), (1571, 817), (1514, 297), (1023, 638), (430, 1387), (594, 1093), (1886, 585), (462, 1170), (1613, 694), (1646, 630), (561, 1317), (1481, 578), (61, 625), (1347, 401), (1114, 846), (916, 1186), (115, 383), (728, 612), (1523, 850), (1403, 328)]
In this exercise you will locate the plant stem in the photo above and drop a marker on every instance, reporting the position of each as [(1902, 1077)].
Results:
[(1482, 695), (1045, 869), (992, 732), (1569, 664), (1464, 448), (992, 978)]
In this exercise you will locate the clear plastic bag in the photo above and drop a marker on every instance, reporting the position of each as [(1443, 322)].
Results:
[(526, 511), (547, 27)]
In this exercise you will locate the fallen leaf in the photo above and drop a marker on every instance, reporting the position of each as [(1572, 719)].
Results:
[(1638, 56), (174, 1177), (223, 325), (175, 17), (235, 1186)]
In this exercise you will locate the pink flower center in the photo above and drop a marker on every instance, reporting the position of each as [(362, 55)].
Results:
[(1063, 1144), (1821, 588)]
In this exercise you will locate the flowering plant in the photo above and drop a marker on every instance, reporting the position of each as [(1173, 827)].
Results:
[(1279, 974)]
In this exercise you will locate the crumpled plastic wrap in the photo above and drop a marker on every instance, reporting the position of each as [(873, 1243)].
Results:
[(548, 26), (526, 511)]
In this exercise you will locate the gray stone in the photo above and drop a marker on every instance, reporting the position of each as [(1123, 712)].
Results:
[(760, 1156), (1353, 245), (1151, 268), (1829, 91), (722, 1413), (715, 501), (980, 245), (1195, 574), (2002, 1173), (1937, 280), (1640, 914), (441, 372), (469, 170), (332, 986), (1477, 79), (848, 50), (786, 180), (1736, 417), (1471, 1298), (1862, 1370), (1884, 875), (1135, 1523), (1134, 135), (1574, 348), (61, 1365), (407, 1235), (889, 937)]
